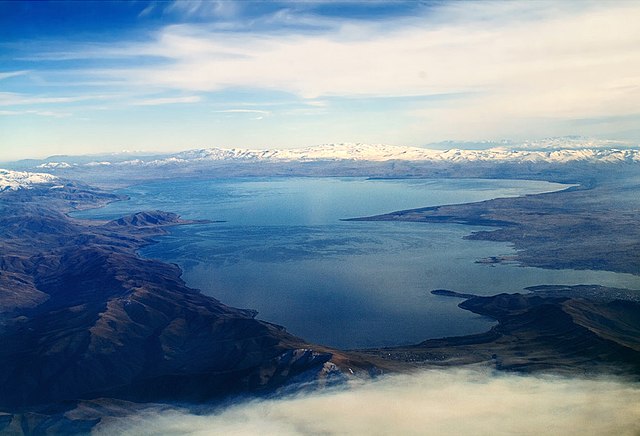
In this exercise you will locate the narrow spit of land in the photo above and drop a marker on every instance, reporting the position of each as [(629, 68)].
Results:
[(587, 227)]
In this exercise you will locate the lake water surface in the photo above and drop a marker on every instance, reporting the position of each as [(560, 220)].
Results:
[(283, 251)]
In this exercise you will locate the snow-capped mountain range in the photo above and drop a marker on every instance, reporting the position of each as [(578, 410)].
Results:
[(14, 180), (530, 152)]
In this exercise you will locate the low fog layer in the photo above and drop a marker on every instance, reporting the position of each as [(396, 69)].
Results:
[(431, 402)]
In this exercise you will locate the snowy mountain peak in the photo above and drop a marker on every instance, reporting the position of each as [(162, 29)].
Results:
[(14, 180), (527, 152), (551, 151), (342, 151), (54, 165)]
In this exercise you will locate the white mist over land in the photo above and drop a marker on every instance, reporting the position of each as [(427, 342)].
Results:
[(434, 402)]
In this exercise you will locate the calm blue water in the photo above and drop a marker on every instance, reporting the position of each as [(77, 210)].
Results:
[(284, 251)]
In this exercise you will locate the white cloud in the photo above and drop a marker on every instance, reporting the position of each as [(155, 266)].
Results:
[(243, 111), (494, 69), (167, 100), (54, 114), (203, 8), (14, 99), (427, 403), (513, 60), (8, 74), (148, 10), (462, 54)]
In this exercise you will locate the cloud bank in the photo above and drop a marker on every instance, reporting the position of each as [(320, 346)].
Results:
[(492, 68), (428, 403), (580, 57)]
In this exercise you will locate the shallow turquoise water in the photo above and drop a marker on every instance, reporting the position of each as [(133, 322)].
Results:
[(284, 251)]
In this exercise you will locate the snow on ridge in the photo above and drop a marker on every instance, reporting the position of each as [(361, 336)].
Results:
[(570, 142), (344, 151), (381, 152), (348, 151), (54, 165), (528, 152), (14, 180)]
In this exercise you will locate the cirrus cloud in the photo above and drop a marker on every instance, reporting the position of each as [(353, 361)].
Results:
[(506, 67), (167, 100), (461, 70), (583, 53)]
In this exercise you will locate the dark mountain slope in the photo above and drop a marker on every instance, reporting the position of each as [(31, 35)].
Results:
[(85, 317), (539, 333)]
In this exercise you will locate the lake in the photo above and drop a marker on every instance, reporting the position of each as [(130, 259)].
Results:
[(283, 251)]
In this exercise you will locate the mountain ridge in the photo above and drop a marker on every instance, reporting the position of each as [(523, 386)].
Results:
[(587, 152), (83, 316), (14, 180)]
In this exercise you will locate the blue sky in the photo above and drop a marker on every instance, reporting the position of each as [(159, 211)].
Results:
[(89, 77)]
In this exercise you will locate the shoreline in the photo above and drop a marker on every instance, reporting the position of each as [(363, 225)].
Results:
[(566, 229), (432, 208), (164, 341)]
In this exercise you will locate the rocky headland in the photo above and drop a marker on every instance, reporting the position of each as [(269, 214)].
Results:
[(573, 330)]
